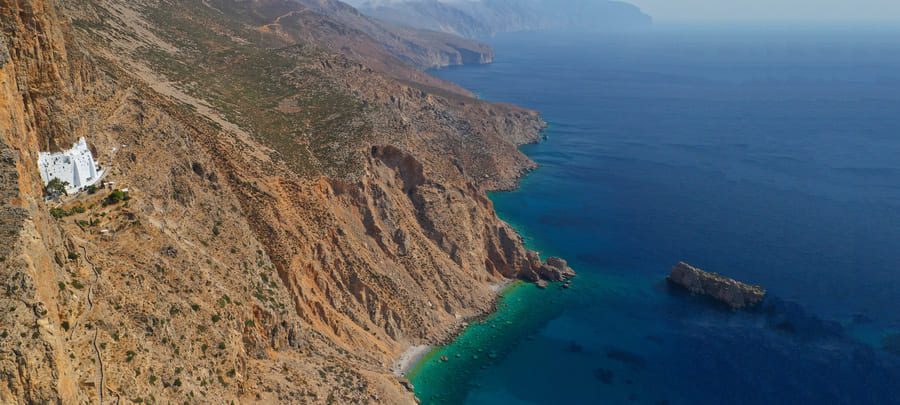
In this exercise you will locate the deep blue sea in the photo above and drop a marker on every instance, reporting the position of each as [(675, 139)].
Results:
[(770, 155)]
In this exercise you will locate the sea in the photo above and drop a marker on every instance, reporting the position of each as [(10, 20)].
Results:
[(769, 154)]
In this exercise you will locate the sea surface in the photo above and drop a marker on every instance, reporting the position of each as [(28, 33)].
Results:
[(767, 154)]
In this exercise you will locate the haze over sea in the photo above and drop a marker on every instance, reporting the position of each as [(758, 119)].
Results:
[(768, 155)]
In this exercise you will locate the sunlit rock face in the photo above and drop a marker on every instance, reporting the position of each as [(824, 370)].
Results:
[(305, 204)]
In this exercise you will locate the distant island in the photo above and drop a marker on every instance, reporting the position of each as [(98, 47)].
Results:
[(486, 18)]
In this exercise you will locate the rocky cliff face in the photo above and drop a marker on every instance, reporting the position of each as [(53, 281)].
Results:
[(300, 210)]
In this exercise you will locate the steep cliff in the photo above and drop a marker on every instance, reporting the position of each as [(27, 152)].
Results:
[(300, 211)]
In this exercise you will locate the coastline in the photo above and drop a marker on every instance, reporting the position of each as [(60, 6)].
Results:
[(486, 339), (446, 373), (409, 359), (415, 355), (501, 286), (423, 363)]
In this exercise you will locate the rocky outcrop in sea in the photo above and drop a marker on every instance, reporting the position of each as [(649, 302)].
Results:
[(554, 270), (733, 293)]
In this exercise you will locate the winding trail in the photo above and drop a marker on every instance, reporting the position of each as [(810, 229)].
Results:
[(102, 383), (100, 362)]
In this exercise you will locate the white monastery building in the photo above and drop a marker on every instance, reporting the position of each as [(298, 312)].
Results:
[(75, 166)]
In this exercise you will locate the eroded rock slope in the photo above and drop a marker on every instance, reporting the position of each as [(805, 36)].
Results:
[(300, 212)]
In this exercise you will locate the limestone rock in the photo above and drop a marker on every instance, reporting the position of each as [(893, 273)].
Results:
[(733, 293), (407, 384), (556, 270), (553, 270)]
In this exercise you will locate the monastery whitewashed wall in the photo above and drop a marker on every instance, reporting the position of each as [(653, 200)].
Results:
[(75, 166)]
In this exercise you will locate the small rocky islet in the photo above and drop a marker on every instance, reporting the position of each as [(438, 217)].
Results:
[(731, 292), (553, 270)]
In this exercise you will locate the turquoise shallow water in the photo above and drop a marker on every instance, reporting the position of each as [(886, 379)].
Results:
[(766, 155)]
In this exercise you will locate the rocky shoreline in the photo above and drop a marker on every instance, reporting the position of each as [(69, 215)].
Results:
[(541, 274), (554, 270)]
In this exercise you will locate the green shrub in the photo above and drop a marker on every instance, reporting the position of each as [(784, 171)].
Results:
[(116, 197), (59, 212), (56, 187), (65, 325)]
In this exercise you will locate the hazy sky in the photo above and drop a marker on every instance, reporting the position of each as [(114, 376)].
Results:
[(817, 10)]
